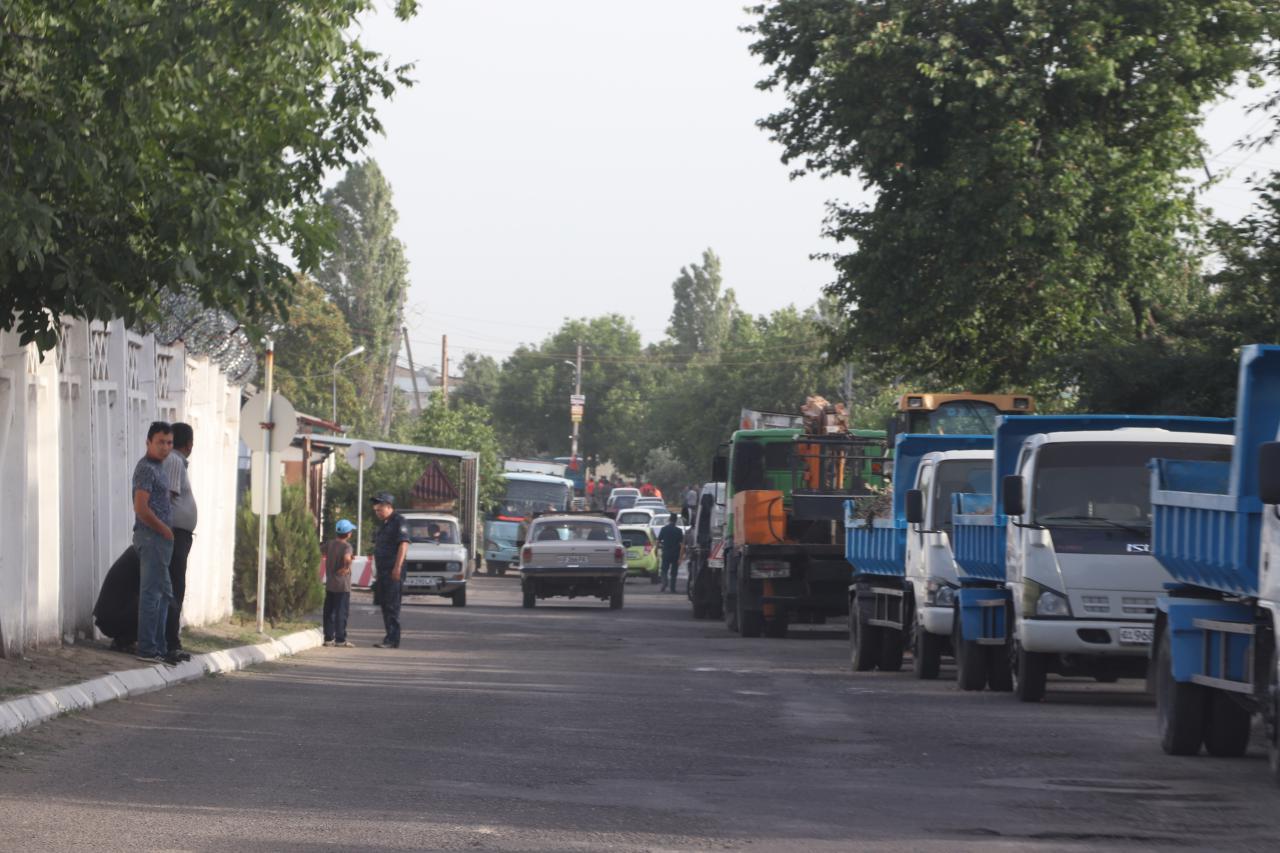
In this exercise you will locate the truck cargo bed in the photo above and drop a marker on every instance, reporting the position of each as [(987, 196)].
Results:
[(1201, 534), (978, 538)]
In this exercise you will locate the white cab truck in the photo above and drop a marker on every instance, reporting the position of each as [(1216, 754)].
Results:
[(704, 552), (1069, 531), (904, 574), (1216, 529)]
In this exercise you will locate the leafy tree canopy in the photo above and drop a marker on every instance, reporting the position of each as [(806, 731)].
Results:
[(146, 147), (1027, 160)]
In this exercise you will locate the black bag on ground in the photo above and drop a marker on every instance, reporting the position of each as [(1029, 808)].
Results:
[(116, 612)]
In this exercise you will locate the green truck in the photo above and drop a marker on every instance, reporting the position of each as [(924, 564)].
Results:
[(785, 496)]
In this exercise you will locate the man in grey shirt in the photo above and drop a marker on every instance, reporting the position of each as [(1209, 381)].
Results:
[(153, 540), (183, 514)]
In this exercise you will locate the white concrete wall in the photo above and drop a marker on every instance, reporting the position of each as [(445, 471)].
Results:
[(72, 427)]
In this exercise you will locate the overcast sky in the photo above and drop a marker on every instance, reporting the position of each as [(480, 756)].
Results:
[(567, 157)]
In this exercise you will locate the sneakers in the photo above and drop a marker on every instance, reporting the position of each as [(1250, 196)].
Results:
[(327, 644), (174, 658), (345, 645), (150, 658), (386, 645)]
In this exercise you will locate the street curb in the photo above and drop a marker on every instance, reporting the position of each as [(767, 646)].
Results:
[(27, 711)]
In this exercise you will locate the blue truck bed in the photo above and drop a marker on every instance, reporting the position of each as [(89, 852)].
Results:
[(978, 538), (1206, 518), (876, 549)]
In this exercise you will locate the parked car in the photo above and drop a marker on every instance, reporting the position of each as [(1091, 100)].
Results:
[(642, 551), (500, 549), (573, 556), (436, 562), (656, 503)]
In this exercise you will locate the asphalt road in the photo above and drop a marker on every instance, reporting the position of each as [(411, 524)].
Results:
[(573, 727)]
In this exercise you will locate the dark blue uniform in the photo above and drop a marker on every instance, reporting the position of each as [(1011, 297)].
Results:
[(386, 543), (669, 539)]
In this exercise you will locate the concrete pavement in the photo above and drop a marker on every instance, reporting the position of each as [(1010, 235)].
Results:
[(573, 727)]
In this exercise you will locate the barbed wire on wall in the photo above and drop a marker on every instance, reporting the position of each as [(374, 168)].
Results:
[(208, 332)]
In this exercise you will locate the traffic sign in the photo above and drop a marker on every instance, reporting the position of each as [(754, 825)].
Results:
[(360, 455), (254, 412)]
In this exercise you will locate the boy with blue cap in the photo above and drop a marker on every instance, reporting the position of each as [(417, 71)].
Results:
[(337, 585)]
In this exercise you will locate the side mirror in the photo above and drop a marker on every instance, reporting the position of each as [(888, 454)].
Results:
[(1269, 472), (720, 469), (915, 507), (1011, 493)]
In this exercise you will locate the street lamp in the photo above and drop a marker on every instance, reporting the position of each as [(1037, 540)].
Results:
[(351, 354)]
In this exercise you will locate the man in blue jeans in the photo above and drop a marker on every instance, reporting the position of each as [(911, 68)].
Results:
[(153, 540), (670, 538)]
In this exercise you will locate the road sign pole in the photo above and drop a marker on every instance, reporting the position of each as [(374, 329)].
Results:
[(265, 518), (360, 506)]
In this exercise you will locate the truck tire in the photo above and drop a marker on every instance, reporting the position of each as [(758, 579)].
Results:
[(776, 627), (502, 570), (1030, 674), (615, 598), (926, 653), (971, 662), (1180, 706), (530, 599), (999, 669), (1271, 719), (699, 608), (891, 649), (1226, 726), (864, 640), (459, 598)]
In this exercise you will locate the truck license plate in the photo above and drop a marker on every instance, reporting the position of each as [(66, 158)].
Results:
[(1137, 636)]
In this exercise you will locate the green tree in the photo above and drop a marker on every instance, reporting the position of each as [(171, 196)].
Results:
[(532, 409), (481, 376), (1027, 159), (307, 344), (145, 148), (366, 274), (701, 314), (293, 559)]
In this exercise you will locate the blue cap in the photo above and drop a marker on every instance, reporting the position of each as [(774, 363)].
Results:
[(343, 526)]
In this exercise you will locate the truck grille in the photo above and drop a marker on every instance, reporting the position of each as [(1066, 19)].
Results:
[(1135, 606)]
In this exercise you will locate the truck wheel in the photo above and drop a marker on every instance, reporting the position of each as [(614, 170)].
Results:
[(459, 598), (750, 622), (999, 669), (971, 665), (1030, 674), (891, 643), (1226, 729), (926, 653), (615, 599), (1272, 727), (699, 608), (502, 570), (864, 640), (1180, 706), (529, 600), (776, 627)]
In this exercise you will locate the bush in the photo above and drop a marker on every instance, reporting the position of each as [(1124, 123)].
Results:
[(293, 560)]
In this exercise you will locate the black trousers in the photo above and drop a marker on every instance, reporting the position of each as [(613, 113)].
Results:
[(336, 607), (178, 578), (389, 592)]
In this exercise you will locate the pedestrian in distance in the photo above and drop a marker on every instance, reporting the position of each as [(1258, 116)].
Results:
[(690, 503), (183, 511), (337, 585), (670, 538), (390, 544), (153, 540)]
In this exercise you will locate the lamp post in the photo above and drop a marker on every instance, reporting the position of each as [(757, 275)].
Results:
[(577, 391), (351, 354)]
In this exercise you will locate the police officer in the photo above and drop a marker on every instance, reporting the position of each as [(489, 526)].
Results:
[(390, 544)]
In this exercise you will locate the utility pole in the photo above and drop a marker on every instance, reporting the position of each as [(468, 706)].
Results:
[(848, 386), (413, 371), (444, 370), (264, 520), (390, 396), (577, 390)]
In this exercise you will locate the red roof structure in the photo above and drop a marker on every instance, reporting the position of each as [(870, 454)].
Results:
[(434, 486)]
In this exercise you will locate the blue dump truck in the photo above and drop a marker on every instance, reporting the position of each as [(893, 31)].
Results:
[(1055, 566), (904, 577), (1216, 529)]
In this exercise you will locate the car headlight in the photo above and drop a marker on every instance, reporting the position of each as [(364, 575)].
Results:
[(454, 567), (490, 545), (1039, 600), (939, 593)]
